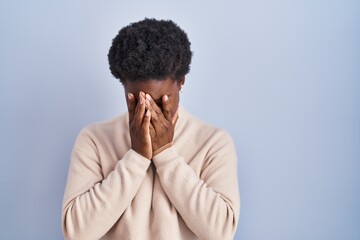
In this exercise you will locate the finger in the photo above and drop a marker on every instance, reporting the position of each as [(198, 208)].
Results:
[(131, 106), (156, 113), (153, 105), (157, 118), (140, 110), (146, 123), (152, 131), (166, 108)]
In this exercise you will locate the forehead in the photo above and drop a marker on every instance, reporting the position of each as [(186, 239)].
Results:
[(156, 88)]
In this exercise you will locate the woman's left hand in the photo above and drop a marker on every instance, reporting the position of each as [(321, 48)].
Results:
[(161, 127)]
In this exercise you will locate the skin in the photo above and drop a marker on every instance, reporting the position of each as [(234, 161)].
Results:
[(152, 107)]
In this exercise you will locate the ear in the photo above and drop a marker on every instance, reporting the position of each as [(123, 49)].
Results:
[(181, 82)]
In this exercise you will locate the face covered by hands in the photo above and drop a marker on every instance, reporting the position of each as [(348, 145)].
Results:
[(162, 125), (152, 107)]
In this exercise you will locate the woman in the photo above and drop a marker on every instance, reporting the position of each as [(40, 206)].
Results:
[(155, 172)]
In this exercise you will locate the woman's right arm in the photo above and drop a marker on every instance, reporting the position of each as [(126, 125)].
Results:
[(93, 203)]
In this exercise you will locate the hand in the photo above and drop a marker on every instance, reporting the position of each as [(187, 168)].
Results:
[(139, 126), (161, 127)]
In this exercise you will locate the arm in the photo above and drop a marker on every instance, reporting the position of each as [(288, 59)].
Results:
[(209, 204), (92, 203)]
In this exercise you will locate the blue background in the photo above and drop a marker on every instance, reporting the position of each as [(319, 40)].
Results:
[(283, 77)]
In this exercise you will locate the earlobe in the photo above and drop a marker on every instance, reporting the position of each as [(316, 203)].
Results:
[(181, 83)]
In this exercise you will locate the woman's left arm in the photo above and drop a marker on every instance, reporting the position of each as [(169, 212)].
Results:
[(210, 203)]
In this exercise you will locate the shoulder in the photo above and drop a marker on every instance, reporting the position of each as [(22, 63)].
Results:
[(204, 128), (213, 143), (205, 131), (105, 128)]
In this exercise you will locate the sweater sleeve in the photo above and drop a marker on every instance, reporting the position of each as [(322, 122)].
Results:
[(92, 204), (210, 203)]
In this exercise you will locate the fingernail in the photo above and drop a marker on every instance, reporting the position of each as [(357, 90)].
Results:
[(166, 98), (129, 95), (147, 102), (148, 97)]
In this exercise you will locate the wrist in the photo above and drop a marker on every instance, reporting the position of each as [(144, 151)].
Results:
[(159, 150), (146, 155)]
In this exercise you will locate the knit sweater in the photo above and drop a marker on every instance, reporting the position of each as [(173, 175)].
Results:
[(188, 191)]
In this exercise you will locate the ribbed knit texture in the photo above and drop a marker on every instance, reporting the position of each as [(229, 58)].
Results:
[(188, 191)]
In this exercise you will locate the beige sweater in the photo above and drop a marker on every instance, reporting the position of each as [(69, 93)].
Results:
[(188, 191)]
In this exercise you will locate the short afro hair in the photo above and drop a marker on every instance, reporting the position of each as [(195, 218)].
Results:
[(150, 50)]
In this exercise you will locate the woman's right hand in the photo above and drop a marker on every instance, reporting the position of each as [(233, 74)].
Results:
[(139, 125)]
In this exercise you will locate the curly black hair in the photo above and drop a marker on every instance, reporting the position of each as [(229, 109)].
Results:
[(150, 50)]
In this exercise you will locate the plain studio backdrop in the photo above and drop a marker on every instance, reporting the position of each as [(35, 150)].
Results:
[(282, 77)]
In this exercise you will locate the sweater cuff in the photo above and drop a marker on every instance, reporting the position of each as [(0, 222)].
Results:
[(165, 157), (162, 148), (136, 159)]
